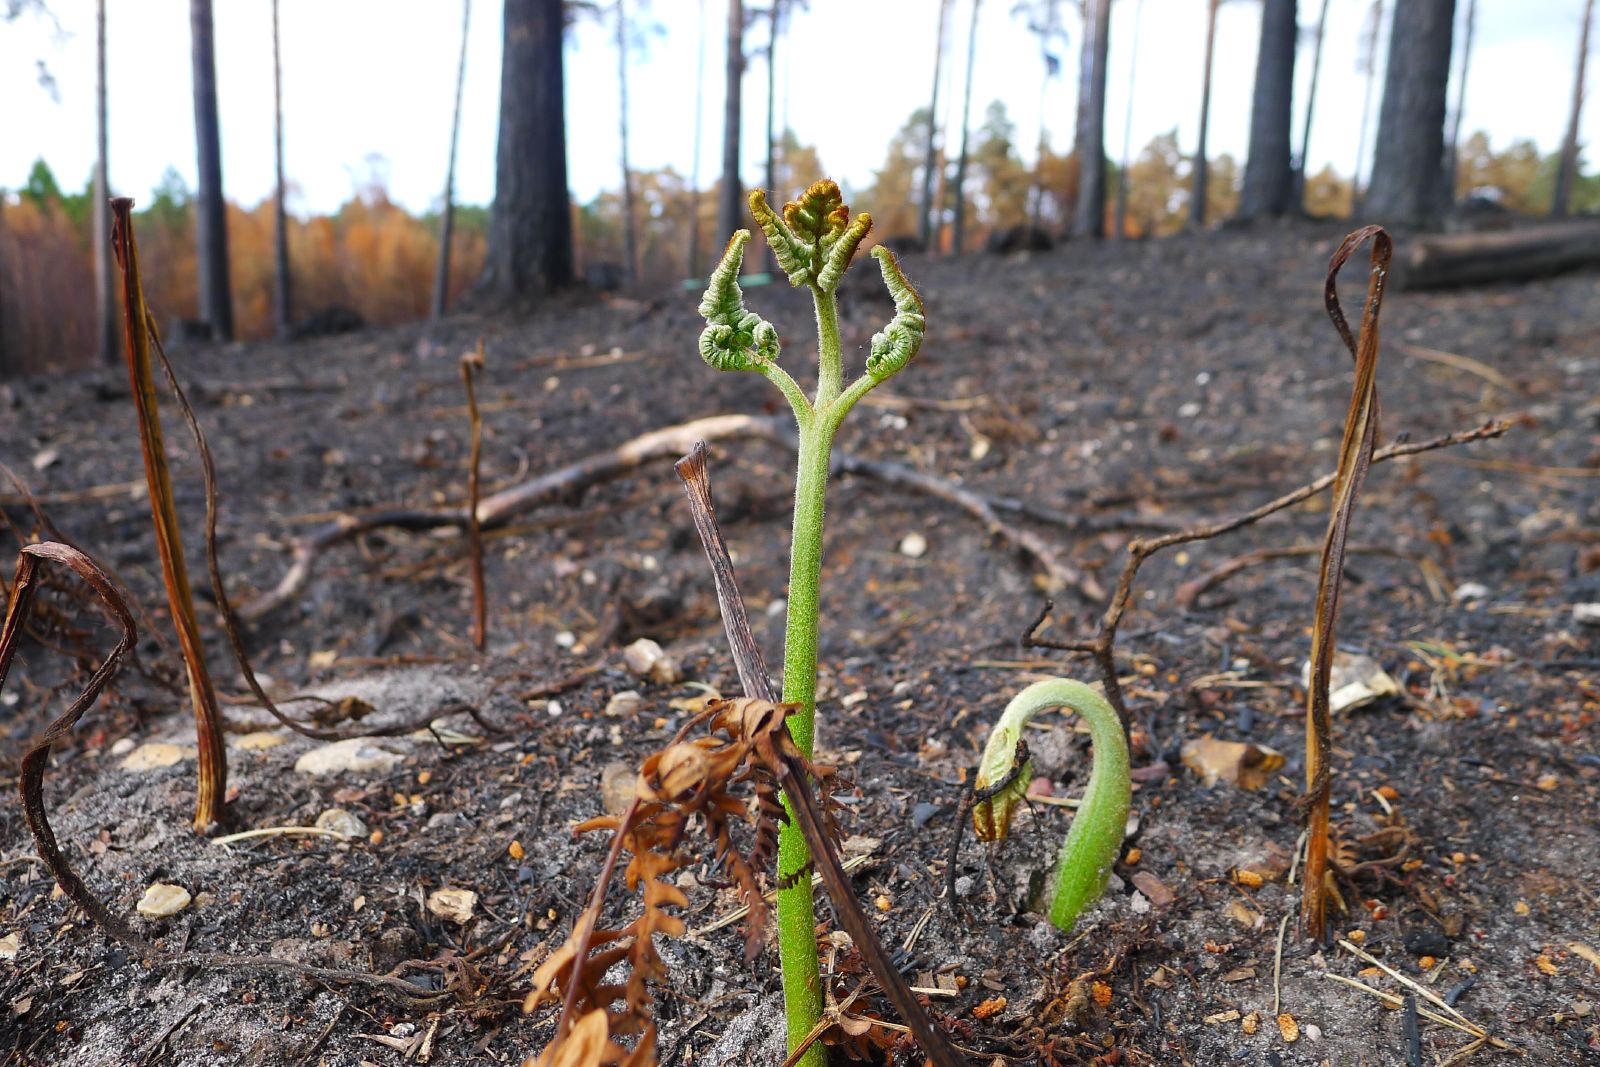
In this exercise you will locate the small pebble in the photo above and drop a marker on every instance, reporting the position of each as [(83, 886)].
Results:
[(163, 899), (341, 822), (624, 703), (156, 755), (453, 905), (913, 545), (646, 659)]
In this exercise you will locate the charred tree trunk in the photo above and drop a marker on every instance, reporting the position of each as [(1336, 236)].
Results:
[(530, 225), (931, 161), (282, 309), (630, 233), (958, 227), (1269, 168), (1453, 148), (447, 212), (1089, 220), (696, 269), (1298, 197), (105, 293), (1197, 197), (730, 204), (1567, 168), (1127, 130), (211, 214), (1408, 161)]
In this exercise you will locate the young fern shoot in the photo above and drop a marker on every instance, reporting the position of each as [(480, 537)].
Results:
[(813, 241), (1084, 865)]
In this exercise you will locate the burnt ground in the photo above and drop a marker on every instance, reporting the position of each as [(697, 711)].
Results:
[(1192, 377)]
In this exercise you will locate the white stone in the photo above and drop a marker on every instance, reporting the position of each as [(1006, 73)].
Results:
[(453, 905), (1586, 614), (122, 746), (913, 545), (155, 755), (341, 822), (627, 702), (163, 899), (355, 755), (1471, 591), (258, 740), (646, 659), (9, 947)]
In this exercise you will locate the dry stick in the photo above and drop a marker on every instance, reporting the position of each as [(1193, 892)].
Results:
[(219, 588), (480, 603), (670, 442), (1355, 457), (38, 758), (790, 772), (212, 762), (1103, 645), (1187, 596)]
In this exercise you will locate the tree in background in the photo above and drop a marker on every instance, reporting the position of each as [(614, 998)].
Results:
[(1198, 198), (211, 229), (693, 193), (1006, 183), (630, 232), (447, 210), (1367, 64), (1043, 19), (1299, 196), (730, 198), (1407, 186), (1453, 145), (1089, 220), (282, 313), (109, 323), (931, 162), (1269, 168), (1127, 128), (891, 196), (959, 224), (1567, 171), (530, 227)]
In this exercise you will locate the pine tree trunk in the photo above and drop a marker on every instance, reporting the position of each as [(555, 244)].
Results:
[(1269, 168), (447, 213), (730, 202), (104, 285), (957, 229), (696, 268), (1453, 147), (1127, 130), (1408, 161), (1197, 196), (1374, 27), (530, 225), (1298, 197), (930, 163), (1567, 168), (630, 233), (211, 214), (1089, 220), (282, 310)]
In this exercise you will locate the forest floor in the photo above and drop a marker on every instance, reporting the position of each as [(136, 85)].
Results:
[(1132, 384)]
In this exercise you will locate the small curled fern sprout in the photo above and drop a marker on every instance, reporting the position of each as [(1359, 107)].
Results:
[(814, 241), (898, 342), (1084, 864)]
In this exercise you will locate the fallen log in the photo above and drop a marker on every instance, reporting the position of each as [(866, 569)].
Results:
[(1460, 259), (667, 444)]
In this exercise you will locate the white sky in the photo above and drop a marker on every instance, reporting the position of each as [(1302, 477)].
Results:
[(376, 77)]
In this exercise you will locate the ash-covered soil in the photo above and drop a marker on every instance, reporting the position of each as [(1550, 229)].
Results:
[(1136, 385)]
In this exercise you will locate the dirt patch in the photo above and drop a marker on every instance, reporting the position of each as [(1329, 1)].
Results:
[(1186, 378)]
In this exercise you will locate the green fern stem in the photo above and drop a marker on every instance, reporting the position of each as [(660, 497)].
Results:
[(1084, 865)]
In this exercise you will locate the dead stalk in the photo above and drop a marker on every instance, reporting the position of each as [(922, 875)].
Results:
[(471, 364), (212, 762), (1355, 457)]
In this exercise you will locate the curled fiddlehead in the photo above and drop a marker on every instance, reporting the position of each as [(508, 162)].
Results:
[(1084, 864), (734, 338), (816, 238), (894, 346)]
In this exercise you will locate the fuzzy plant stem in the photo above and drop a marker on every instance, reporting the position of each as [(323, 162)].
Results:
[(1092, 844), (813, 242)]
